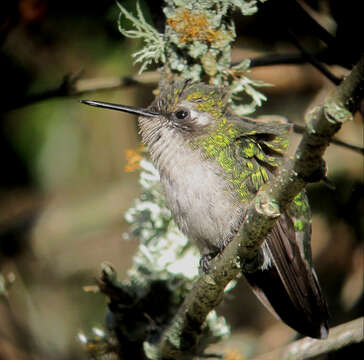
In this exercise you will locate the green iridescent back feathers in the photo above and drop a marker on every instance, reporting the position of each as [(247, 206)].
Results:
[(247, 150)]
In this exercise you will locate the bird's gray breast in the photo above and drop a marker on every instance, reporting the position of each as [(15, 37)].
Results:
[(201, 200)]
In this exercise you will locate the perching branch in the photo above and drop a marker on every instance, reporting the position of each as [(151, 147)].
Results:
[(307, 166), (340, 336)]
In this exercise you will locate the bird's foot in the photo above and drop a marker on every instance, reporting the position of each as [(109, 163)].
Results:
[(206, 259)]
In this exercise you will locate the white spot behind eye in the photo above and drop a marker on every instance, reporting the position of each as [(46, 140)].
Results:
[(200, 118)]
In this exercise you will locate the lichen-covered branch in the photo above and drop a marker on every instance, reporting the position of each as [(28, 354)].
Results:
[(273, 198), (340, 336), (196, 44)]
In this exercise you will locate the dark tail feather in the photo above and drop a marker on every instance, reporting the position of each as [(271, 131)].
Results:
[(269, 288), (287, 283)]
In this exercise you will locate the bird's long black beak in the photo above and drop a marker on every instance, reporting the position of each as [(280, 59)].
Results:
[(128, 109)]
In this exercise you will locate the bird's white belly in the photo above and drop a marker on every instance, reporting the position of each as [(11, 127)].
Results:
[(202, 202)]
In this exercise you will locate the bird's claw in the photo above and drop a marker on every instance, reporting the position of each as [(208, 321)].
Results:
[(205, 261)]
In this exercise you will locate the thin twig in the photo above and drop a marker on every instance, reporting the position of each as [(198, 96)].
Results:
[(309, 22), (74, 85), (288, 59), (277, 59), (314, 62), (263, 212), (301, 129), (340, 336)]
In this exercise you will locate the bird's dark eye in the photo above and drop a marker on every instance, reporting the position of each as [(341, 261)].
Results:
[(181, 114)]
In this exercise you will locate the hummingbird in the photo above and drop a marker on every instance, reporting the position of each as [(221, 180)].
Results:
[(211, 164)]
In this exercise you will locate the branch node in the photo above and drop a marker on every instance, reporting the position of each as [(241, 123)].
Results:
[(337, 113), (266, 206)]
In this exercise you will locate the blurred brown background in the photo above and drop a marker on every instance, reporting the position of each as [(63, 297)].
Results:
[(63, 188)]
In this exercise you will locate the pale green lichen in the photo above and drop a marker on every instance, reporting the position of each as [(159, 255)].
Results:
[(154, 48), (337, 113), (241, 85), (205, 31), (163, 248)]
